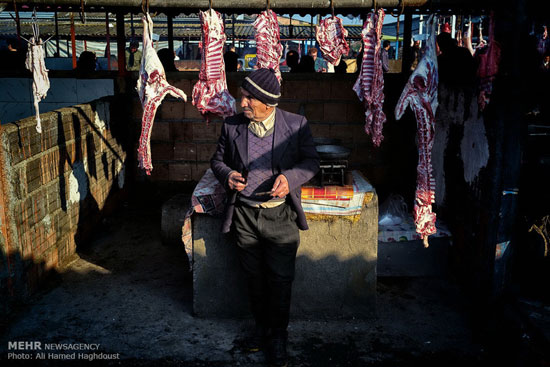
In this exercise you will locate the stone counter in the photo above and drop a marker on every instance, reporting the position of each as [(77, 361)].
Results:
[(335, 269)]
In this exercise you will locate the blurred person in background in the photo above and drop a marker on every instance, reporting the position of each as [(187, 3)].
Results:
[(306, 65), (133, 56), (167, 57), (320, 64), (292, 60), (13, 56), (86, 63), (231, 59)]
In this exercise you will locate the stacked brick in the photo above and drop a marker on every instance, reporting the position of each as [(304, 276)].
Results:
[(182, 143), (55, 186)]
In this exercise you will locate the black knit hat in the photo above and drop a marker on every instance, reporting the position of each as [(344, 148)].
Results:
[(264, 86)]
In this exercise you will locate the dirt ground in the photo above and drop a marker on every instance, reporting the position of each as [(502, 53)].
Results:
[(131, 294)]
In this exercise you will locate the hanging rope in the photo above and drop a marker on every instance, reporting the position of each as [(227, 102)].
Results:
[(268, 4), (332, 8)]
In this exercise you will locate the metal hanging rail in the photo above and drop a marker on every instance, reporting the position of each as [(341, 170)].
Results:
[(303, 5)]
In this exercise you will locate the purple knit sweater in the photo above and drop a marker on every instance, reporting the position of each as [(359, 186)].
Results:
[(260, 173)]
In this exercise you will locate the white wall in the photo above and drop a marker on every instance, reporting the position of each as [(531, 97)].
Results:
[(16, 95)]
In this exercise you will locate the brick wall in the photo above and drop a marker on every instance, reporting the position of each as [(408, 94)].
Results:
[(55, 186), (182, 143)]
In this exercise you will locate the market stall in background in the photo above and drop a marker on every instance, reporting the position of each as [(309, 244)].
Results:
[(437, 130)]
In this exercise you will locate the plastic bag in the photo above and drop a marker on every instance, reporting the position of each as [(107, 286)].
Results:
[(392, 211)]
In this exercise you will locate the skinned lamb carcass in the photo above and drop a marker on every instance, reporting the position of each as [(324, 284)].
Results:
[(40, 81), (269, 48), (369, 86), (210, 94), (331, 35), (152, 87), (420, 93)]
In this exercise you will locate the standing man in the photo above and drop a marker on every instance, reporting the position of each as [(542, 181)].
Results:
[(385, 56), (133, 56), (320, 63), (263, 157), (231, 60)]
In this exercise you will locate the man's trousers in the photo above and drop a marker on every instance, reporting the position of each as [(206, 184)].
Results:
[(267, 241)]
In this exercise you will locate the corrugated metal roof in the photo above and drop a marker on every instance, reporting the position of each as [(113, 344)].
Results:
[(186, 26), (97, 29)]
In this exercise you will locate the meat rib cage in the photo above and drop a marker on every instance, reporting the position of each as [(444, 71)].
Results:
[(369, 86), (268, 45), (210, 94), (331, 35), (152, 87)]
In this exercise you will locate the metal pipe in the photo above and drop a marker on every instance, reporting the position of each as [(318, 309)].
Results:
[(261, 4), (397, 37), (57, 35), (73, 41), (170, 22), (108, 47), (121, 44), (406, 44)]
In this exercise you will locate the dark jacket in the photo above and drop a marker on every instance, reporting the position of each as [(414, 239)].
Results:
[(294, 156)]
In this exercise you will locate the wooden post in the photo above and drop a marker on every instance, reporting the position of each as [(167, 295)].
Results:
[(121, 43), (18, 26), (73, 41), (233, 27), (290, 28), (407, 36), (170, 32), (57, 35)]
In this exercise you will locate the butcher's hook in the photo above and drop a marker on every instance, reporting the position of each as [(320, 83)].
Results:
[(402, 2), (210, 7), (332, 7), (35, 29), (82, 13), (268, 5)]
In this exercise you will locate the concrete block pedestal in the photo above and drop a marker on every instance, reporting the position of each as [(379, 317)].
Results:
[(335, 269)]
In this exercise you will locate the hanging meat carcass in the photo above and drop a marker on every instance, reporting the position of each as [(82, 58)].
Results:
[(210, 94), (369, 86), (488, 60), (268, 45), (152, 87), (36, 65), (467, 39), (331, 35), (420, 93)]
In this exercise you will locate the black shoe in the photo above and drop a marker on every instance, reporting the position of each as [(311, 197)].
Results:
[(256, 341), (277, 356)]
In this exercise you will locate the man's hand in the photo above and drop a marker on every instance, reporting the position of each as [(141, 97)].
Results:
[(236, 181), (280, 187)]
